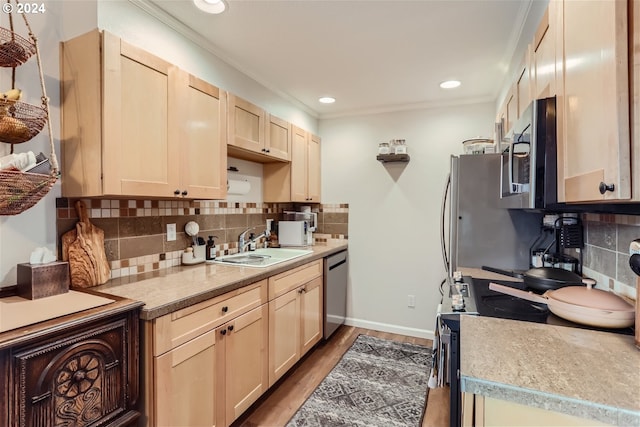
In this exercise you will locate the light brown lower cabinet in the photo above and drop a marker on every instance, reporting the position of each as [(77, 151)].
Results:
[(481, 411), (206, 364), (295, 326)]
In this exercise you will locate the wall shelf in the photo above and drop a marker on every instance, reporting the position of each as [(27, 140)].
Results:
[(389, 158)]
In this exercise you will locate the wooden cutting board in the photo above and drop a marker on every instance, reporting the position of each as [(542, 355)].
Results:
[(86, 255)]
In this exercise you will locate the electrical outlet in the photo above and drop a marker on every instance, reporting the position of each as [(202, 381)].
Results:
[(171, 232), (411, 301)]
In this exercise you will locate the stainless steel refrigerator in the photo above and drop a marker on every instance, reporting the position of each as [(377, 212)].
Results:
[(475, 231)]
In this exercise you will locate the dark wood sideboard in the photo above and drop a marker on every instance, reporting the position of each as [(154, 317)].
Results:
[(77, 370)]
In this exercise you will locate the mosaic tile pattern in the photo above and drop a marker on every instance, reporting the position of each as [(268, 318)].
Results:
[(135, 230), (606, 251)]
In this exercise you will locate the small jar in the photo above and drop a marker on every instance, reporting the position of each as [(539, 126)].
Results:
[(383, 148), (399, 146)]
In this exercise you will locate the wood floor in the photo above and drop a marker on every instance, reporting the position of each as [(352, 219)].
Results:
[(284, 398)]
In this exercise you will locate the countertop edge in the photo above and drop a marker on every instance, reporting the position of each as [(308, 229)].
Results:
[(563, 404), (260, 274)]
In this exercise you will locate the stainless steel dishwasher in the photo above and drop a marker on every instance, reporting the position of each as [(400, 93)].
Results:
[(336, 273)]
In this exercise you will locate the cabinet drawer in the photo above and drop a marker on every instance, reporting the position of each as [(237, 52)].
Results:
[(284, 282), (183, 325)]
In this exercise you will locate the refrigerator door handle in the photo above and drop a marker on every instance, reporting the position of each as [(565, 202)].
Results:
[(443, 242)]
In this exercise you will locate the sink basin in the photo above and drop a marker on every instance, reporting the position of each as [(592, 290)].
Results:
[(263, 257)]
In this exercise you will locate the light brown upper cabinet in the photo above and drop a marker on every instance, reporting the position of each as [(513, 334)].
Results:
[(126, 124), (255, 134), (204, 145), (543, 69), (523, 84), (299, 180), (593, 102)]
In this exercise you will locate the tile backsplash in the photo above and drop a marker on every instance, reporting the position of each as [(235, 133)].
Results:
[(606, 251), (135, 230)]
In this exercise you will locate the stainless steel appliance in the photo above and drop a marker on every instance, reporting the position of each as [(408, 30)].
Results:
[(528, 165), (336, 273), (480, 232)]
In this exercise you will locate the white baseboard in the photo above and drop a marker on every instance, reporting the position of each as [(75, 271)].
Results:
[(394, 329)]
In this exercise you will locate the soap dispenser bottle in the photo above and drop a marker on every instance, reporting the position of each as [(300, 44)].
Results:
[(210, 253)]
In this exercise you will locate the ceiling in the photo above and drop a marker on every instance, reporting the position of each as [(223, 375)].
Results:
[(371, 55)]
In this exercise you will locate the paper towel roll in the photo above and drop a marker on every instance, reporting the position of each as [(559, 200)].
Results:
[(235, 186)]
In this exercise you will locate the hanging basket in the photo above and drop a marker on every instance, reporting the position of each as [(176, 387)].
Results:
[(21, 190), (20, 122), (14, 49)]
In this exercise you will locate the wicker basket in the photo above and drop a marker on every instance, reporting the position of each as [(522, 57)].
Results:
[(19, 121), (21, 190), (14, 49)]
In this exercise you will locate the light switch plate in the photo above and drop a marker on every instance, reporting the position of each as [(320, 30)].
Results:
[(171, 232)]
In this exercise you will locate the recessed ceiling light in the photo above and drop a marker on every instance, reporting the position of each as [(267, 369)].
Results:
[(327, 100), (450, 84), (211, 6)]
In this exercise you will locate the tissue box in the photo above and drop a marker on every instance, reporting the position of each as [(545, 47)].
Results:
[(43, 280)]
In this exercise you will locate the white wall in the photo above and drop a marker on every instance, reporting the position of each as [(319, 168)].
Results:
[(22, 233), (394, 208)]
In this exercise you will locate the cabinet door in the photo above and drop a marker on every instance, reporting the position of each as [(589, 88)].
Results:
[(595, 145), (313, 169), (140, 121), (512, 109), (311, 314), (544, 60), (77, 378), (246, 125), (299, 183), (203, 143), (245, 360), (523, 84), (186, 379), (284, 334), (278, 138), (503, 413)]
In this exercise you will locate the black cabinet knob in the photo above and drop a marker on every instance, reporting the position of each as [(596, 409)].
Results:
[(184, 193), (223, 332), (225, 309), (606, 187), (177, 192), (230, 328)]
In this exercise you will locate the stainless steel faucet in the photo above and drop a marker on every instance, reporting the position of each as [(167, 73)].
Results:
[(243, 242)]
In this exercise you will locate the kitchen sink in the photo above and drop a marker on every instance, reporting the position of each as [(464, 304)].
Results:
[(263, 257)]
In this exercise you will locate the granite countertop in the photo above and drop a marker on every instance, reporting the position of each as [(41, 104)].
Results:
[(588, 374), (171, 289)]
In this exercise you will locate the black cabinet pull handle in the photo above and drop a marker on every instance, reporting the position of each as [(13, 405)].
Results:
[(230, 328), (223, 332), (606, 187), (225, 309)]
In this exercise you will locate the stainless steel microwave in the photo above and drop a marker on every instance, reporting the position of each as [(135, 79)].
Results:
[(529, 162)]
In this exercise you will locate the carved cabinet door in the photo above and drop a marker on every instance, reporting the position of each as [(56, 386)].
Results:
[(73, 379)]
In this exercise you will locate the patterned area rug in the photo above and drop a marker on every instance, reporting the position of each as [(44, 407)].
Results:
[(376, 383)]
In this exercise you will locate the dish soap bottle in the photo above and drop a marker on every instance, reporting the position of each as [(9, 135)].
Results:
[(210, 253)]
